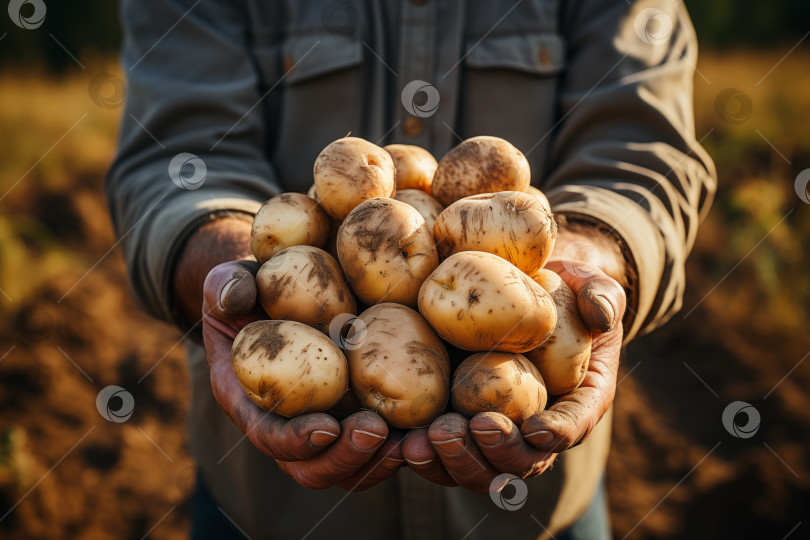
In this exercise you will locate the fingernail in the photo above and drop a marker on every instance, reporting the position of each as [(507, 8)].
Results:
[(452, 446), (607, 308), (392, 464), (365, 440), (488, 438), (540, 438), (419, 463), (321, 438)]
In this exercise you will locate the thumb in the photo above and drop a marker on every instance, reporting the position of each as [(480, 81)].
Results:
[(600, 299), (229, 291)]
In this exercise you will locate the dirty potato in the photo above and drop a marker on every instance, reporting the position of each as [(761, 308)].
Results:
[(540, 196), (289, 368), (510, 224), (415, 166), (286, 220), (563, 358), (498, 382), (352, 170), (426, 205), (386, 251), (480, 165), (479, 302), (400, 368), (304, 284)]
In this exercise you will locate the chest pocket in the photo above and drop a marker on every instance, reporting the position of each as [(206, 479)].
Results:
[(509, 89), (316, 99)]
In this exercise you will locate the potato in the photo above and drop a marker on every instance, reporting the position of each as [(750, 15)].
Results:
[(510, 224), (426, 205), (563, 358), (400, 369), (479, 302), (289, 368), (498, 382), (312, 192), (415, 166), (540, 196), (480, 165), (386, 251), (286, 220), (349, 171), (304, 284)]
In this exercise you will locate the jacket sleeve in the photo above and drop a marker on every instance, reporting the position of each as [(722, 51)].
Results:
[(192, 92), (625, 154)]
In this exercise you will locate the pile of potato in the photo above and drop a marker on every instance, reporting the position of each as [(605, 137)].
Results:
[(428, 254)]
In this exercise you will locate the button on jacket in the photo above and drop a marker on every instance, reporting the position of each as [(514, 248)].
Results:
[(596, 94)]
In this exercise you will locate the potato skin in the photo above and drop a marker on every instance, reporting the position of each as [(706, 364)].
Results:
[(349, 171), (401, 369), (304, 284), (480, 165), (286, 220), (289, 368), (415, 166), (563, 358), (479, 302), (386, 251), (426, 205), (540, 196), (498, 382), (510, 224)]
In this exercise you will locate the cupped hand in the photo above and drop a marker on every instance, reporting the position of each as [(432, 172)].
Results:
[(314, 449)]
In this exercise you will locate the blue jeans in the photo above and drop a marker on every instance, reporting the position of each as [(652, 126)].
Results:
[(208, 523)]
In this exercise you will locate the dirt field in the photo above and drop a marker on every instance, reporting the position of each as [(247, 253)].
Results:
[(68, 328)]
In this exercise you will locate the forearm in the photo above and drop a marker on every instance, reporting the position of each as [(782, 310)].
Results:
[(224, 239)]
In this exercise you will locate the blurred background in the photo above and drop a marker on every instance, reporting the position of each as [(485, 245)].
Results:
[(68, 327)]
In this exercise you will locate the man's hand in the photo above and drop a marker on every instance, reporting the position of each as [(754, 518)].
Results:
[(314, 449), (454, 451)]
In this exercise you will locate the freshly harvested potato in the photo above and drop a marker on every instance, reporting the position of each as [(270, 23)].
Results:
[(312, 192), (400, 369), (351, 170), (304, 284), (540, 196), (289, 368), (386, 251), (426, 205), (480, 165), (479, 302), (563, 358), (286, 220), (499, 382), (510, 224), (415, 166)]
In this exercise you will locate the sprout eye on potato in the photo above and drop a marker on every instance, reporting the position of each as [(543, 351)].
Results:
[(386, 251), (498, 382), (510, 224), (289, 368), (479, 302), (415, 166), (286, 220)]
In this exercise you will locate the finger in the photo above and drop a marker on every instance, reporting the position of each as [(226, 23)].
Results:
[(423, 459), (502, 444), (600, 298), (385, 463), (450, 436), (574, 415), (229, 291), (362, 434)]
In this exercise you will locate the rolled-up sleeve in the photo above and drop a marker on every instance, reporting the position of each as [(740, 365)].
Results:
[(625, 152), (193, 92)]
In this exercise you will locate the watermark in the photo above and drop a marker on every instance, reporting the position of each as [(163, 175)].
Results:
[(733, 106), (742, 431), (348, 331), (431, 102), (34, 323), (115, 404), (179, 171), (653, 26), (34, 16), (108, 91), (340, 17), (518, 498), (581, 259), (802, 186)]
